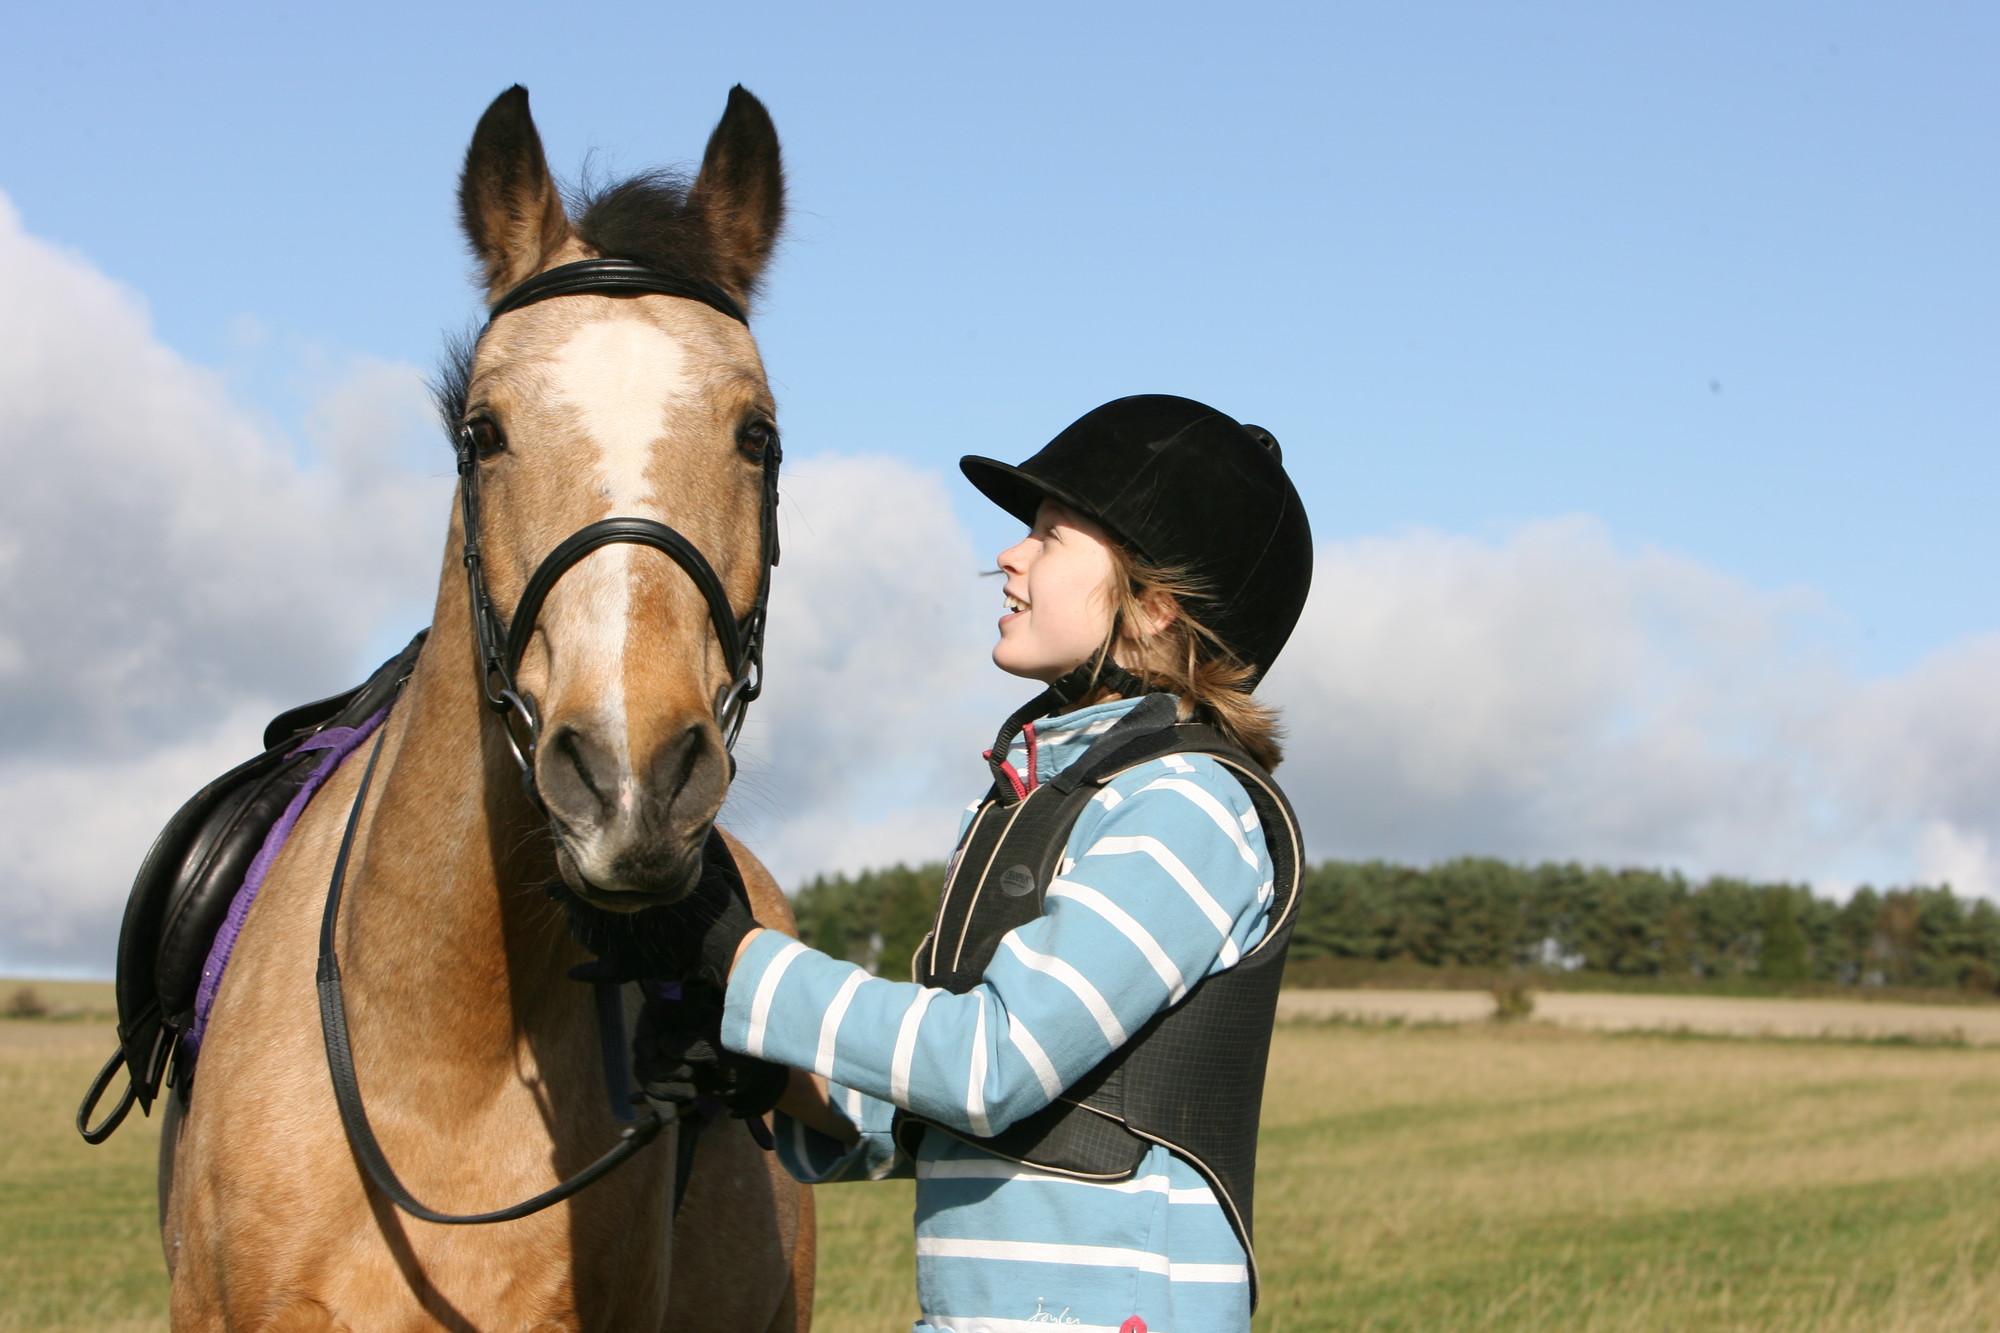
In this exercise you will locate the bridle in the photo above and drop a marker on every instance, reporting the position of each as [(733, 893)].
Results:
[(500, 648), (501, 644)]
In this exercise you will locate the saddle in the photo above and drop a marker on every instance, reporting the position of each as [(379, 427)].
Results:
[(186, 884)]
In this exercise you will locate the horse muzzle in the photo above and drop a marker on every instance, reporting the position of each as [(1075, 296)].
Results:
[(630, 836)]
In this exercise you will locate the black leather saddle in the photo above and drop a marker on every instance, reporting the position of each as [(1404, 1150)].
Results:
[(186, 883)]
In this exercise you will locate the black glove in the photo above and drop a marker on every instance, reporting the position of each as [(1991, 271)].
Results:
[(678, 1057), (695, 938), (715, 917)]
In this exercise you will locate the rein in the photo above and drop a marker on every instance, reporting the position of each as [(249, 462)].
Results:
[(347, 1089), (741, 639)]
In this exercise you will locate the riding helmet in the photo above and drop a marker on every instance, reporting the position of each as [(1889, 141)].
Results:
[(1184, 487)]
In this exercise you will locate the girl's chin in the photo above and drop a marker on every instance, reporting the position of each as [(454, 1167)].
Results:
[(1040, 671), (1025, 673)]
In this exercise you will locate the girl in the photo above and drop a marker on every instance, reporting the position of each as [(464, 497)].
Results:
[(1074, 1077)]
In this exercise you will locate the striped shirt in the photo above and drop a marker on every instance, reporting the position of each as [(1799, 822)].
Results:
[(1165, 880)]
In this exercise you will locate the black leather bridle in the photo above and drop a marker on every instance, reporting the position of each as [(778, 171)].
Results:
[(501, 644), (500, 647)]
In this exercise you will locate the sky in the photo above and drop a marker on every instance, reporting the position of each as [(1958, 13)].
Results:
[(1635, 363)]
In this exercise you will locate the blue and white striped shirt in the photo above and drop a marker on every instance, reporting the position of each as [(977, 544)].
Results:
[(1165, 880)]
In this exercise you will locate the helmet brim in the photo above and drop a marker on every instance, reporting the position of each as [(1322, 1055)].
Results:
[(1021, 494)]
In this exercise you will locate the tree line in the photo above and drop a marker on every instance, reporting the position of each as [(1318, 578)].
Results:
[(1483, 914)]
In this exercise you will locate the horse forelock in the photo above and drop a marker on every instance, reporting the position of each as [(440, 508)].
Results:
[(648, 218)]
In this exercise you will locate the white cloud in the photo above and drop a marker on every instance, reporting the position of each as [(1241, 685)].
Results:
[(169, 572), (72, 832), (1947, 854), (1553, 696)]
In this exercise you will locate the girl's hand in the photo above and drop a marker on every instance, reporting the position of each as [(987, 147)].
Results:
[(678, 1057)]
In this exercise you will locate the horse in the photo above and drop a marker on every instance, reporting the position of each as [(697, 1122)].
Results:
[(601, 402)]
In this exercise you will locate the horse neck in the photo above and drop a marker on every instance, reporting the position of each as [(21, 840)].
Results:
[(445, 918)]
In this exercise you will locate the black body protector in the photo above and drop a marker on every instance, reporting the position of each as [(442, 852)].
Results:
[(1192, 1078)]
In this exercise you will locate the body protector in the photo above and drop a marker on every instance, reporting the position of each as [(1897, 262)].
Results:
[(1192, 1078)]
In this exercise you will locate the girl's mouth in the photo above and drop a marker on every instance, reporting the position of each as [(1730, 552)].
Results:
[(1015, 604)]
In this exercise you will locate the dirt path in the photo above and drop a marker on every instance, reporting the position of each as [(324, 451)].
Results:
[(1842, 1019)]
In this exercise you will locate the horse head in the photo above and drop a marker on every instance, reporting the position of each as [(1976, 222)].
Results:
[(633, 405)]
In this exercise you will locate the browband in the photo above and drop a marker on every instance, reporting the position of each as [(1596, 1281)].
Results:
[(615, 277)]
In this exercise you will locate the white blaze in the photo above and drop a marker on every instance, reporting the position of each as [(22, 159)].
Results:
[(621, 377)]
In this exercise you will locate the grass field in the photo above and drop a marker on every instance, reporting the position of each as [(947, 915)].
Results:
[(1480, 1177)]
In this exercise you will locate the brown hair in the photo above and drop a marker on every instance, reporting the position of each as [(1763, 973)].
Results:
[(1184, 657)]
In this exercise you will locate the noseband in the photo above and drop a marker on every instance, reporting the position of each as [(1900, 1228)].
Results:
[(501, 645)]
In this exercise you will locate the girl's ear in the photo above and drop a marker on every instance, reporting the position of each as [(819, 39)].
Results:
[(1157, 610)]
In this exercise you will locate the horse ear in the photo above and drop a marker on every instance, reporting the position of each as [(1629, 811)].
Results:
[(740, 193), (508, 204)]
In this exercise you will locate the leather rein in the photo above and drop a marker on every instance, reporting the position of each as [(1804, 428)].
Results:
[(501, 646)]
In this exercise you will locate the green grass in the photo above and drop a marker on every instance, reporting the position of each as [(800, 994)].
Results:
[(1527, 1178), (79, 1249), (1485, 1177), (1535, 1179), (867, 1263)]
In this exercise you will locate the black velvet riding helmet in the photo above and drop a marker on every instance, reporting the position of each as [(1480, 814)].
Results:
[(1184, 487)]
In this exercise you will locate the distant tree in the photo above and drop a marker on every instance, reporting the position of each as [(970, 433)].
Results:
[(1557, 911), (1858, 943), (1898, 937), (1944, 953), (1481, 913), (876, 918), (1340, 915), (909, 903), (1982, 931), (1466, 899), (1729, 922), (1631, 933), (1678, 945), (1819, 918), (1781, 953), (1419, 916)]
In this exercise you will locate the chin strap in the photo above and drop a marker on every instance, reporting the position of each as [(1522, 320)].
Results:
[(1065, 691)]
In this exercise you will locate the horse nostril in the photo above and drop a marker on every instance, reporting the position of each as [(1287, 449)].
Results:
[(688, 775), (579, 779)]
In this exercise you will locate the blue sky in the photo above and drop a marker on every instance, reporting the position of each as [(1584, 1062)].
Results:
[(1719, 274), (1636, 363)]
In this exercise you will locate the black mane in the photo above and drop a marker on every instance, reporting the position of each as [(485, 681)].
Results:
[(646, 218)]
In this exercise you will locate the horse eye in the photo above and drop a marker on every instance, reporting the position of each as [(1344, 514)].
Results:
[(484, 435), (756, 437)]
